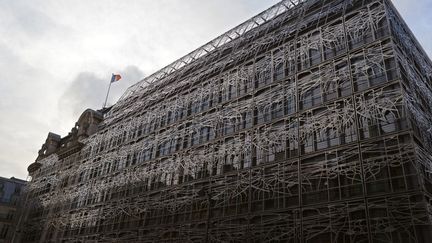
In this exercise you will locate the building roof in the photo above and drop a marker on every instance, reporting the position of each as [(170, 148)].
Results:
[(13, 179)]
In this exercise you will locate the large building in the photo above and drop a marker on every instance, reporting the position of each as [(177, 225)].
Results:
[(309, 123), (10, 205)]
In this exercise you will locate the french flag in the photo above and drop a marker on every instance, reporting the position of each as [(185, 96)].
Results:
[(115, 78)]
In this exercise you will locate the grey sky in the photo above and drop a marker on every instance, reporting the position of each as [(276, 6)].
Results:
[(56, 56)]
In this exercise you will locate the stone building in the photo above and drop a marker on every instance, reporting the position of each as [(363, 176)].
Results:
[(308, 123), (10, 196)]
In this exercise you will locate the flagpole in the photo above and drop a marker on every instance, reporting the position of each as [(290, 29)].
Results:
[(109, 87)]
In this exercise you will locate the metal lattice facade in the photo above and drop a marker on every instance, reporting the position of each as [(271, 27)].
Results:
[(311, 123)]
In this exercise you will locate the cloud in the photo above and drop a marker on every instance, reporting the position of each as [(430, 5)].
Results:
[(9, 168), (27, 19), (417, 16), (24, 107), (88, 90)]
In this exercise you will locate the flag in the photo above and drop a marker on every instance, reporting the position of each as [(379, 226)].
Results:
[(115, 78)]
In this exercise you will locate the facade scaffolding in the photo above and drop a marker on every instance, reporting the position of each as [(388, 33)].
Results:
[(309, 123)]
